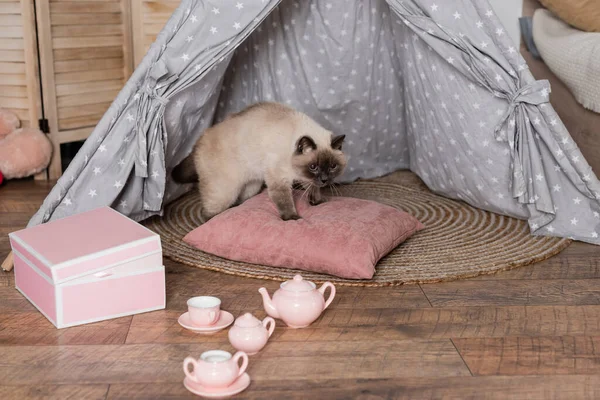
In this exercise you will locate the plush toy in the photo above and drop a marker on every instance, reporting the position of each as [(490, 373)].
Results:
[(23, 151)]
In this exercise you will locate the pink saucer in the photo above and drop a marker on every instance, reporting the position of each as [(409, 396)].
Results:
[(224, 321), (236, 387)]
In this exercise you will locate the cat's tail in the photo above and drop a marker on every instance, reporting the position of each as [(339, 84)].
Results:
[(185, 172)]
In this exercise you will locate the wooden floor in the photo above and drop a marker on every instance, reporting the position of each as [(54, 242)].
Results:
[(530, 333)]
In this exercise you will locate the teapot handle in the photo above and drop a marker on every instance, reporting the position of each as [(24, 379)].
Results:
[(186, 363), (331, 295), (271, 322)]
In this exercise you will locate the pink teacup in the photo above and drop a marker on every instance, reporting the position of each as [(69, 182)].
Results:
[(216, 368), (204, 310)]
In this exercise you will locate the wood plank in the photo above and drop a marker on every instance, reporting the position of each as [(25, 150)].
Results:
[(128, 55), (80, 122), (86, 18), (14, 102), (32, 70), (22, 114), (86, 30), (62, 392), (89, 76), (88, 65), (11, 31), (93, 41), (88, 87), (562, 355), (12, 55), (350, 325), (12, 67), (514, 292), (13, 91), (162, 363), (137, 31), (11, 44), (75, 135), (13, 80), (84, 110), (87, 98), (10, 8), (578, 261), (88, 53), (48, 83), (84, 7), (153, 29), (463, 388), (10, 20), (33, 329)]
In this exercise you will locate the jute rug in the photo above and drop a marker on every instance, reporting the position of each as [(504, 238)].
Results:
[(459, 241)]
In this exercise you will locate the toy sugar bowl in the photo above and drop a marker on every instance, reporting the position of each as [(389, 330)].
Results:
[(297, 302), (249, 334)]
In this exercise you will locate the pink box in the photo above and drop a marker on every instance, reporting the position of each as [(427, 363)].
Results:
[(89, 267)]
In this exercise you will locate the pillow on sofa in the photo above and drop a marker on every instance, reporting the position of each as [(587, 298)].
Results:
[(344, 237), (582, 14)]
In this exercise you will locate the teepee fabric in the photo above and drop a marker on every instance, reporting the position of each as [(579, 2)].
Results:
[(437, 87)]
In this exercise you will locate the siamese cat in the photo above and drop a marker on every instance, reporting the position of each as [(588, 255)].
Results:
[(266, 143)]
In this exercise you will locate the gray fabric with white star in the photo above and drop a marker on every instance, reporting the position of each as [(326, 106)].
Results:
[(434, 86)]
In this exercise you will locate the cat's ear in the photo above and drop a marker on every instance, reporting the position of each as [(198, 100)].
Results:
[(336, 142), (305, 144)]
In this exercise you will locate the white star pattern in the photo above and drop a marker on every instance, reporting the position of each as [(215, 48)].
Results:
[(194, 18), (215, 10), (92, 193), (189, 39), (185, 57), (456, 15), (550, 229), (130, 117), (155, 174), (577, 200), (237, 25), (594, 234), (434, 7), (479, 24), (213, 30), (96, 170), (118, 184), (239, 6), (556, 188), (121, 162), (67, 201), (574, 221)]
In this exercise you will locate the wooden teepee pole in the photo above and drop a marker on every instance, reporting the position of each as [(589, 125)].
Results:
[(8, 262)]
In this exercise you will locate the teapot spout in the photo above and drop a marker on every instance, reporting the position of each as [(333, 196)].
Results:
[(268, 304)]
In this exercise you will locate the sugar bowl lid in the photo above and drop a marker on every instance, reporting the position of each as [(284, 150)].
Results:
[(298, 284), (247, 321)]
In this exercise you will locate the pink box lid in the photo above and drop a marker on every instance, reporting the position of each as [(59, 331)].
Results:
[(85, 243)]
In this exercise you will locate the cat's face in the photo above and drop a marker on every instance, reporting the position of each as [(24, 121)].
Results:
[(319, 166)]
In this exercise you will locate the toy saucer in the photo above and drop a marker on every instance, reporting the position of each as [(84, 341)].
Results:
[(225, 319), (236, 387)]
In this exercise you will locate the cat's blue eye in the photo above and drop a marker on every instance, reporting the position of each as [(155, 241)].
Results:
[(312, 167), (333, 167)]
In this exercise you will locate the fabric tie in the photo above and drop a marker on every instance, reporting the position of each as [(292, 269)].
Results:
[(516, 135)]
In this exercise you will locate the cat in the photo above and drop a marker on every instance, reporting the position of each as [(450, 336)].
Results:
[(265, 144)]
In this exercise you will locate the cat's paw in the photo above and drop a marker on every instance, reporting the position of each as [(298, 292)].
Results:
[(288, 217), (314, 202)]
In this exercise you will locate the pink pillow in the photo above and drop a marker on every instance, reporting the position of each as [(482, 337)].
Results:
[(345, 237)]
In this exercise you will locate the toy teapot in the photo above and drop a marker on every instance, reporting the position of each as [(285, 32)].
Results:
[(249, 334), (297, 302)]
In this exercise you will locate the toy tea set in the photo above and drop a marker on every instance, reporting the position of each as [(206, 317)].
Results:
[(217, 373)]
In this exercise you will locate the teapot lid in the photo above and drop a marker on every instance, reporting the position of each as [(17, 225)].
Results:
[(247, 321), (298, 284)]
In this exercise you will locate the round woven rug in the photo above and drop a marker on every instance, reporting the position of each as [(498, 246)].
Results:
[(459, 241)]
